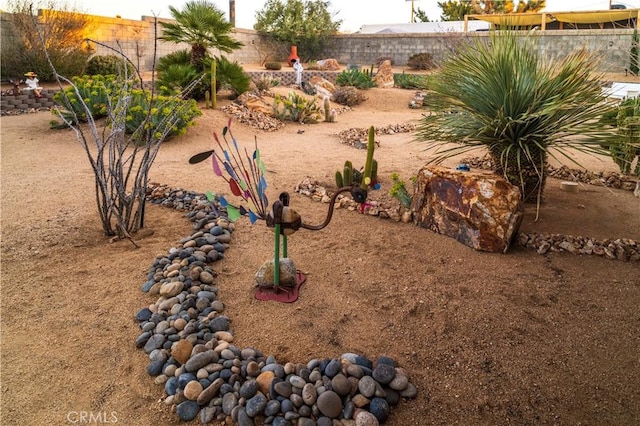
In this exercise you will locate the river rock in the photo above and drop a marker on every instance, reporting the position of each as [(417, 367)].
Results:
[(264, 381), (200, 360), (330, 404), (187, 410), (288, 273), (172, 288), (181, 350), (365, 418), (384, 373), (256, 404), (192, 390), (379, 408)]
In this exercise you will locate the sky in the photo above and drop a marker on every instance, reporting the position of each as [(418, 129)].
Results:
[(353, 13)]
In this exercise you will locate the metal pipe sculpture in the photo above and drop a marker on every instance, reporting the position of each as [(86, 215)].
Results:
[(247, 181)]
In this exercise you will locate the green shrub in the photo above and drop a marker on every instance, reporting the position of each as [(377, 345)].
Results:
[(176, 77), (410, 81), (421, 61), (627, 146), (231, 75), (399, 191), (273, 66), (356, 78), (99, 92), (161, 110), (108, 64), (93, 91), (296, 107), (348, 95)]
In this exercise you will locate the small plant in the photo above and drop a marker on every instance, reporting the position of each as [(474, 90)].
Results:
[(265, 82), (108, 64), (421, 61), (275, 66), (329, 113), (399, 191), (349, 96), (356, 78), (410, 81), (312, 65), (296, 107)]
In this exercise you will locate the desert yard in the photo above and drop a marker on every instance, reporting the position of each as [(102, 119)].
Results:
[(517, 338)]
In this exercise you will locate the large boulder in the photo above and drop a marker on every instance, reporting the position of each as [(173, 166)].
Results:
[(256, 103), (479, 209), (328, 65), (384, 76)]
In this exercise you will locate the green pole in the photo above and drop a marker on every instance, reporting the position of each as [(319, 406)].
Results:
[(284, 246), (276, 260)]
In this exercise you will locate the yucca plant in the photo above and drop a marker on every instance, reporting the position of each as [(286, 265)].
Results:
[(505, 96)]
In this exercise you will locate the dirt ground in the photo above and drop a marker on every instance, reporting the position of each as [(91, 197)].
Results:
[(488, 339)]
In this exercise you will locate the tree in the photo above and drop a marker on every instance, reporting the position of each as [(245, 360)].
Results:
[(301, 23), (505, 96), (202, 25), (62, 29), (454, 10), (420, 15)]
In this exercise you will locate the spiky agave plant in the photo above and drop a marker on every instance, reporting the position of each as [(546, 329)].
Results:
[(504, 95)]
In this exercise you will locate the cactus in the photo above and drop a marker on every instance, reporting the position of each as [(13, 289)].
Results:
[(329, 114), (348, 173), (207, 97), (374, 171), (366, 181), (339, 180)]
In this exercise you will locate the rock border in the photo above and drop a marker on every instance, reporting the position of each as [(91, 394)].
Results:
[(189, 341), (624, 249)]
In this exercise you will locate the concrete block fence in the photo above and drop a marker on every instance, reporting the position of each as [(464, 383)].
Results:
[(287, 78)]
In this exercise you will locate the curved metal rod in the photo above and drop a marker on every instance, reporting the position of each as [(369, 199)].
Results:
[(358, 194)]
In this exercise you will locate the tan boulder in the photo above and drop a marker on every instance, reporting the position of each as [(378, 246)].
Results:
[(328, 65), (256, 103), (384, 76), (317, 81)]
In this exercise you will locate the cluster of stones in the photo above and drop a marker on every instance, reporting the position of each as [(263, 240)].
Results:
[(417, 102), (624, 249), (608, 179), (357, 137), (393, 210), (191, 351), (21, 111), (252, 117)]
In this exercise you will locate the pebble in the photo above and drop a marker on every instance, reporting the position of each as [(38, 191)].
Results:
[(399, 382), (341, 385), (144, 314), (192, 390), (365, 418), (200, 360), (188, 410), (210, 391), (367, 386), (256, 404), (384, 373), (309, 394), (181, 350), (379, 407), (155, 368), (229, 401), (332, 368), (155, 342), (330, 404)]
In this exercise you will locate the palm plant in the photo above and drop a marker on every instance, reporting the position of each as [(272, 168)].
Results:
[(202, 25), (505, 96)]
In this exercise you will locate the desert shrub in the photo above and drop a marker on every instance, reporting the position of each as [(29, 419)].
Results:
[(348, 95), (99, 93), (61, 28), (296, 107), (312, 65), (421, 61), (410, 81), (231, 75), (175, 77), (399, 191), (108, 64), (160, 109), (381, 59), (265, 82), (94, 91), (626, 146), (356, 78), (275, 66)]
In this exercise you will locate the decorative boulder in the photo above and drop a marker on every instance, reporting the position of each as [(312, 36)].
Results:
[(328, 65), (384, 76), (317, 81), (255, 103), (288, 273), (479, 209)]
